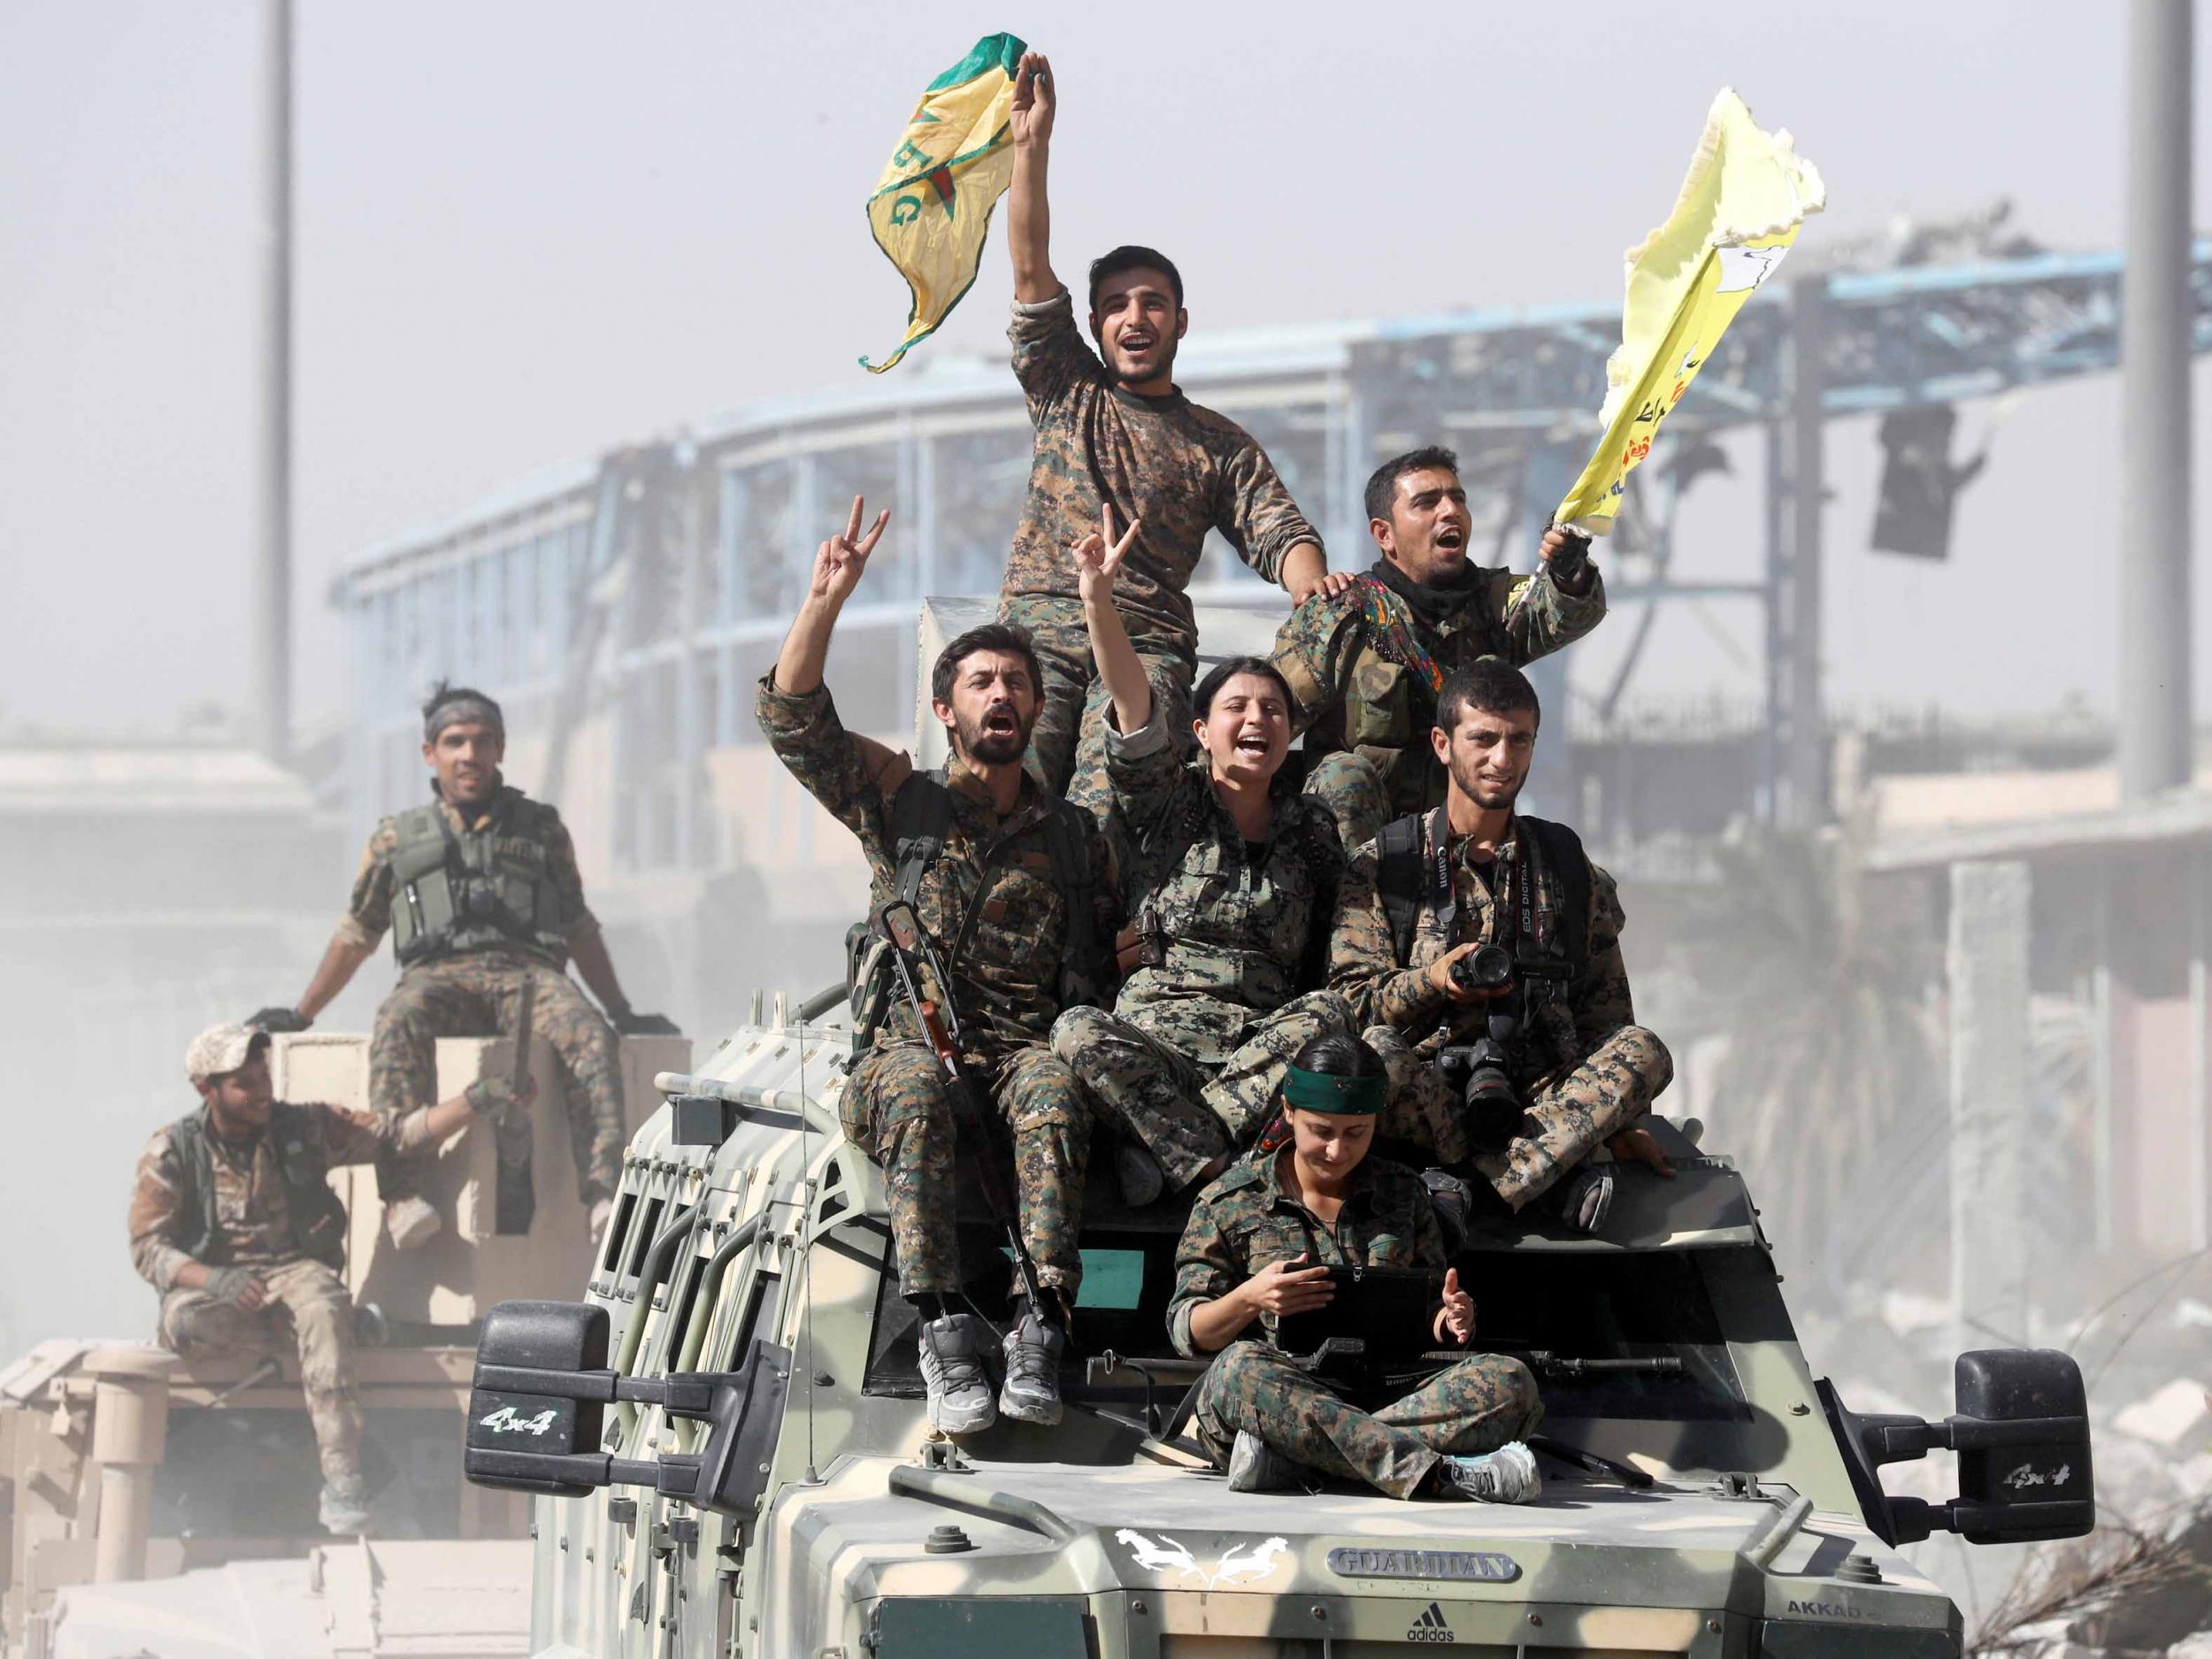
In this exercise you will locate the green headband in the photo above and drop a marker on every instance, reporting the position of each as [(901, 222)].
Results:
[(1340, 1096)]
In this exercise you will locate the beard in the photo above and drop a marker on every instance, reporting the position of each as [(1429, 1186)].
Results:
[(1469, 782), (993, 749)]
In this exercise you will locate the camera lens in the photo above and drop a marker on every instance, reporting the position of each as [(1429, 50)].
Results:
[(1484, 968), (1493, 1111)]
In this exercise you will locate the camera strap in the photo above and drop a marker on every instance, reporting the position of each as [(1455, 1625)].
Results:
[(1523, 878), (1443, 892)]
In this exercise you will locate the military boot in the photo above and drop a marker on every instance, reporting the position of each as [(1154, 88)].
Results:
[(1505, 1476), (952, 1370), (1034, 1348)]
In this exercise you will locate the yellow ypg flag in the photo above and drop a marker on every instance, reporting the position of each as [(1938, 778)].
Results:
[(1741, 207), (931, 208)]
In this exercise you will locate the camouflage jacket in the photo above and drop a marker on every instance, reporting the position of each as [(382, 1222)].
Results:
[(369, 912), (1176, 468), (1562, 1029), (1006, 980), (1237, 935), (253, 1220), (1360, 687), (1245, 1220)]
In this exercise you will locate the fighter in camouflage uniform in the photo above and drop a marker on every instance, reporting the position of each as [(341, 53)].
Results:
[(1116, 431), (481, 891), (1258, 1246), (1581, 1066), (233, 1221), (1011, 890), (1365, 665), (1235, 883)]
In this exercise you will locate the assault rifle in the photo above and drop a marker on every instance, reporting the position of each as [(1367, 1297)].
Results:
[(515, 1196), (911, 957)]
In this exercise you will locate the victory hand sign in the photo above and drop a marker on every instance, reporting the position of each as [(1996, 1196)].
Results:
[(839, 561)]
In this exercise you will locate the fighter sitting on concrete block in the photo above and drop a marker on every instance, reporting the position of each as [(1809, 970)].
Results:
[(481, 891), (233, 1221)]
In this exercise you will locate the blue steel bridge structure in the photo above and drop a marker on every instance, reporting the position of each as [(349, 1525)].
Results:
[(641, 593)]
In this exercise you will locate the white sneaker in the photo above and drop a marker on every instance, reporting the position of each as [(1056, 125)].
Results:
[(411, 1222), (1505, 1476), (960, 1398), (1142, 1179), (344, 1507), (1032, 1392), (1256, 1466)]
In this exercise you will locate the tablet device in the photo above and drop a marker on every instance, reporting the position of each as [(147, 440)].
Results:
[(1386, 1308)]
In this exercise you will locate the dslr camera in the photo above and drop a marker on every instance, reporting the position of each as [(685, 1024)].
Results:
[(1478, 1069)]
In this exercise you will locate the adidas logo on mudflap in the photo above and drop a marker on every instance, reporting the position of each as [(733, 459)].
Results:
[(1431, 1626)]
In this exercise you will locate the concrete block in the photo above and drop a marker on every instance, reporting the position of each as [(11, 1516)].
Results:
[(454, 1280)]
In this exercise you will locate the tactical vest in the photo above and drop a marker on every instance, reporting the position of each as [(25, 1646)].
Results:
[(1409, 882), (920, 819), (455, 891), (1388, 708), (1306, 830), (319, 1220)]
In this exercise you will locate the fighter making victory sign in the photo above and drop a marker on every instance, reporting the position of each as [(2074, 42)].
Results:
[(1007, 881), (1112, 428)]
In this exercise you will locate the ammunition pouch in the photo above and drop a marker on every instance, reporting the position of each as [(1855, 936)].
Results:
[(455, 891)]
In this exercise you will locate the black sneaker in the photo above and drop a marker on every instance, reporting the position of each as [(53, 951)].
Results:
[(1032, 1393), (952, 1369)]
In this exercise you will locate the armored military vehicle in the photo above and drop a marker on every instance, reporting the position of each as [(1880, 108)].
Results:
[(728, 1441)]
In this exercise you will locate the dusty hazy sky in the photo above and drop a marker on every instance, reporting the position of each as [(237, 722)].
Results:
[(529, 231)]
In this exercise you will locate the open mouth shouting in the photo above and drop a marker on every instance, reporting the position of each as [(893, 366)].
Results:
[(1452, 539), (999, 735)]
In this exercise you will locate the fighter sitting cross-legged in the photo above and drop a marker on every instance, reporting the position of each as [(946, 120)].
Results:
[(1008, 884), (1258, 1247), (1488, 967)]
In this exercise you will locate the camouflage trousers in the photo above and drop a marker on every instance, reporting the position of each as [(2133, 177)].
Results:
[(475, 994), (1475, 1405), (1067, 746), (898, 1110), (1567, 1119), (1352, 787), (309, 1313), (1188, 1112)]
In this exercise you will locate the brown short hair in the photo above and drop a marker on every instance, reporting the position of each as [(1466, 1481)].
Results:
[(992, 636)]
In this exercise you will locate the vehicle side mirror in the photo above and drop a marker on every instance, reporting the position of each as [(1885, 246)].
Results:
[(537, 1407), (2022, 1433)]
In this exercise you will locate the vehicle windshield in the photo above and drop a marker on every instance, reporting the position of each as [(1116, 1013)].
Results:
[(1551, 1308), (1556, 1307)]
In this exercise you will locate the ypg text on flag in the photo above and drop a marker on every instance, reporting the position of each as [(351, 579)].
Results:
[(931, 208), (1747, 193)]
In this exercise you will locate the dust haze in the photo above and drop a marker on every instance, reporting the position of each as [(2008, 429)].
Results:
[(540, 247)]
